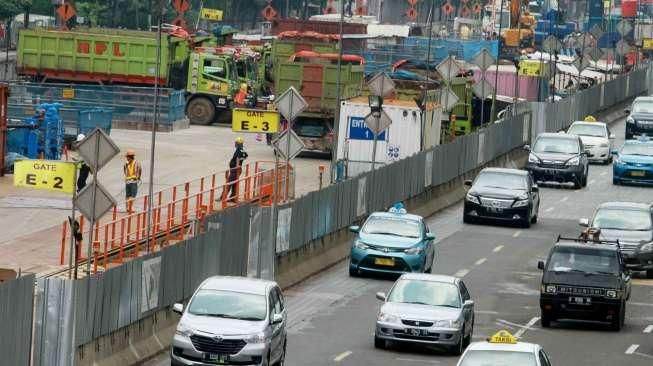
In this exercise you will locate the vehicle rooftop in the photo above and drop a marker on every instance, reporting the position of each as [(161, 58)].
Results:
[(237, 284), (405, 216), (646, 98), (589, 123), (558, 135), (514, 347), (505, 171), (577, 244), (428, 277), (626, 205)]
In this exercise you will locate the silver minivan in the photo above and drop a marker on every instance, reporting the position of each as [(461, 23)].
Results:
[(231, 320)]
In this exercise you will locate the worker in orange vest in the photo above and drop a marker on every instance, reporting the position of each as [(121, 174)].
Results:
[(132, 170), (240, 99)]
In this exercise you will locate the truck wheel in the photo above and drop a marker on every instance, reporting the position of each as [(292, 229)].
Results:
[(200, 111), (619, 321), (545, 319)]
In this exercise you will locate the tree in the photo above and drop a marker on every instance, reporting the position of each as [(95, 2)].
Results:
[(10, 8)]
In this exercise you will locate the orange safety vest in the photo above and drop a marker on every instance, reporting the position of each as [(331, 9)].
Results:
[(240, 97), (132, 171)]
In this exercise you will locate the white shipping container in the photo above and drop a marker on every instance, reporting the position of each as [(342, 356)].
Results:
[(411, 131)]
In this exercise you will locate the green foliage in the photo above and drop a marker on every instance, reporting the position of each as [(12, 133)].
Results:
[(11, 8)]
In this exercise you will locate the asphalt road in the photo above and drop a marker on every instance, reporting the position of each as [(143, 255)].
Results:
[(332, 316)]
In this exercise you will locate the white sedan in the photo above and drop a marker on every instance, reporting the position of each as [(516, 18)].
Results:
[(597, 139), (503, 349)]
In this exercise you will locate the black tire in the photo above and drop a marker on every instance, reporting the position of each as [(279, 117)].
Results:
[(353, 272), (615, 181), (629, 136), (200, 111), (619, 321), (282, 360), (534, 219), (649, 273), (546, 319), (380, 343), (468, 219), (525, 223), (459, 348), (583, 180), (578, 183)]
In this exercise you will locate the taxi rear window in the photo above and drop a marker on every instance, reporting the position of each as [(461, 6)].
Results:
[(498, 358)]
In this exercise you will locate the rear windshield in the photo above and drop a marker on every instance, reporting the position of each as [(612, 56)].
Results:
[(584, 129), (584, 260), (556, 145), (498, 358), (622, 219), (643, 107)]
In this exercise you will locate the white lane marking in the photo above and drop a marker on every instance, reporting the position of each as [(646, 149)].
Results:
[(480, 261), (632, 349), (564, 199), (591, 182), (516, 234), (603, 173), (490, 312), (549, 209), (648, 329), (342, 356), (528, 326), (497, 249), (639, 304), (404, 359), (461, 273)]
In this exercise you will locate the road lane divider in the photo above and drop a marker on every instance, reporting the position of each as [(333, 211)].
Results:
[(497, 249), (461, 273), (564, 199), (630, 350), (648, 329), (549, 209), (480, 261), (528, 326), (516, 234), (342, 356)]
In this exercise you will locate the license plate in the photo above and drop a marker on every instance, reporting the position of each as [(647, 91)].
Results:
[(495, 209), (580, 300), (384, 262), (550, 172), (416, 332), (637, 173), (216, 358)]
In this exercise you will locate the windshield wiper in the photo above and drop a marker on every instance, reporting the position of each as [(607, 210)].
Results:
[(250, 318), (417, 302), (602, 272), (384, 233)]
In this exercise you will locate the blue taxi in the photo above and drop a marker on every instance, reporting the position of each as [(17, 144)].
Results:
[(633, 163), (392, 242)]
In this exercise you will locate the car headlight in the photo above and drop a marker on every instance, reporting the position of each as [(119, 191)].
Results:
[(549, 289), (611, 294), (617, 161), (184, 330), (257, 338), (447, 323), (521, 203), (416, 250), (533, 159), (473, 199), (604, 145), (387, 318), (573, 161), (358, 244), (630, 120), (648, 247)]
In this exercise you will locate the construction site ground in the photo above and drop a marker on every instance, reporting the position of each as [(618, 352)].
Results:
[(30, 234)]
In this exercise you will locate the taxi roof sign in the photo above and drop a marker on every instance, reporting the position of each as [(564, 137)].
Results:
[(590, 119), (398, 208), (503, 336)]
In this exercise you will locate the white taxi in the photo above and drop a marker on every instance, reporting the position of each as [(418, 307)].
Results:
[(503, 349), (596, 137)]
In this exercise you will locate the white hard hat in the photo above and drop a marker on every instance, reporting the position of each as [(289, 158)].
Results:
[(80, 137)]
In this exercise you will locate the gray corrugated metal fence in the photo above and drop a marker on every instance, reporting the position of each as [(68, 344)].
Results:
[(16, 308)]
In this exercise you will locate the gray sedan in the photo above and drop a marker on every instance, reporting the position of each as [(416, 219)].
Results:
[(426, 309)]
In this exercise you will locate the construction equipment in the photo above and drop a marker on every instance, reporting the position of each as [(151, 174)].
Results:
[(520, 34)]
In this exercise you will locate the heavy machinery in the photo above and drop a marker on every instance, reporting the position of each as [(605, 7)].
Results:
[(117, 56), (520, 34)]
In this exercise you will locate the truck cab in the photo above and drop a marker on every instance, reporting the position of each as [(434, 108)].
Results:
[(212, 82)]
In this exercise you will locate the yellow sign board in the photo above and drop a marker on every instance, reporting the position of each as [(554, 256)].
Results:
[(50, 175), (530, 68), (212, 14), (68, 93), (503, 336), (254, 120), (647, 43)]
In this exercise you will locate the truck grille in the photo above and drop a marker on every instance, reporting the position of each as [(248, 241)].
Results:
[(211, 345), (573, 290), (417, 323), (552, 164), (645, 124), (385, 249), (628, 247), (497, 203)]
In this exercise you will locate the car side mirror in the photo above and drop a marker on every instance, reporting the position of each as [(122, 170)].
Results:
[(178, 308), (535, 189), (527, 147), (612, 136), (626, 110), (277, 318), (380, 296), (430, 236), (584, 222), (468, 303), (468, 183), (614, 152), (355, 228), (540, 265)]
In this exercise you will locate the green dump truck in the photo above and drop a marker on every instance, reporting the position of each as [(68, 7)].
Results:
[(115, 56)]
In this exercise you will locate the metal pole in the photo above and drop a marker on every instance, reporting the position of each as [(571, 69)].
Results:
[(72, 236), (377, 117), (92, 218), (496, 72), (273, 227), (150, 200), (199, 15), (428, 55), (7, 41), (286, 190), (336, 125)]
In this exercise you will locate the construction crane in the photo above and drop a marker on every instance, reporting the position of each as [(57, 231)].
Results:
[(521, 33)]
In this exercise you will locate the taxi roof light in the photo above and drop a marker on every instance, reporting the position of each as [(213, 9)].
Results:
[(398, 208), (503, 336)]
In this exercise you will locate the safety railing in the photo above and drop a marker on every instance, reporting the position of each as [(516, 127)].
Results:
[(177, 214)]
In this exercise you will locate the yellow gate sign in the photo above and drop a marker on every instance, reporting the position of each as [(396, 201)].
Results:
[(212, 14), (254, 120), (51, 175), (530, 68), (647, 43)]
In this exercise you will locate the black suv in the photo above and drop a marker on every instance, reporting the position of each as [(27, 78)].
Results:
[(586, 280), (558, 157), (640, 118), (502, 194)]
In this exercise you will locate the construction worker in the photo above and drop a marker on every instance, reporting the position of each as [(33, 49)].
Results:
[(235, 165), (132, 170), (84, 170), (241, 96)]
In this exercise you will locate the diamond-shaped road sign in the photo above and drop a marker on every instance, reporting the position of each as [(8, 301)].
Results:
[(280, 144), (97, 149), (103, 201), (448, 68), (551, 44), (483, 89), (381, 85), (593, 53), (448, 99), (622, 47), (484, 59), (378, 124), (624, 27), (596, 31), (291, 103)]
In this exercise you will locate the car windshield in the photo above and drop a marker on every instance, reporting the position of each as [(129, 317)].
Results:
[(637, 149), (426, 293), (643, 107), (622, 219), (556, 145), (392, 226), (310, 128), (585, 260), (501, 180), (586, 129), (498, 358), (228, 304)]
